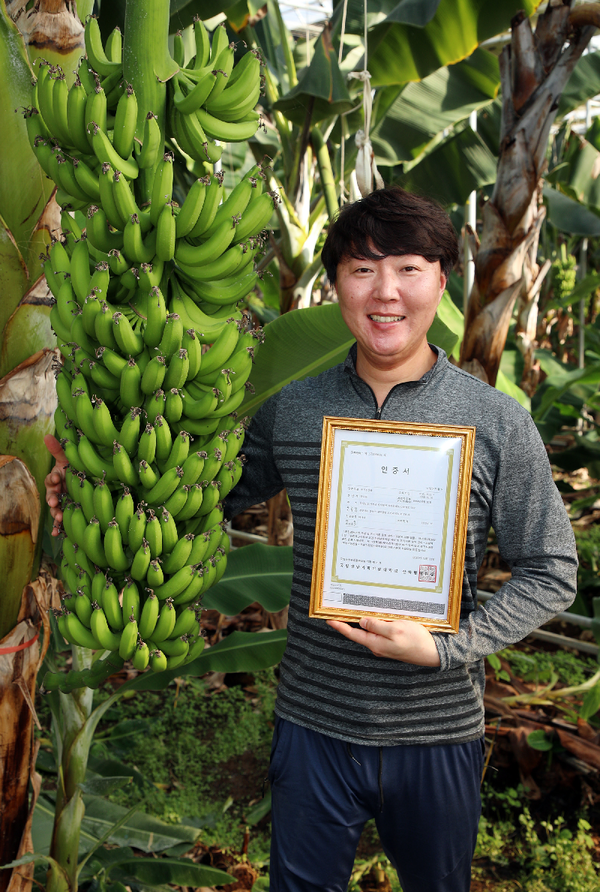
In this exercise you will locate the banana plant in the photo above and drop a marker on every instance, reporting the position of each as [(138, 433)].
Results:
[(534, 71), (28, 216)]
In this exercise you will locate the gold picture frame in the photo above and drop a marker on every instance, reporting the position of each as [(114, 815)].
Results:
[(391, 526)]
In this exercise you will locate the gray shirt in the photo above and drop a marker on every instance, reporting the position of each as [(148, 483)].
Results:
[(340, 688)]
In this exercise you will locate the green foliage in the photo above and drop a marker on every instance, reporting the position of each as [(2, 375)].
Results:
[(588, 550), (556, 858), (199, 750), (544, 857), (538, 666)]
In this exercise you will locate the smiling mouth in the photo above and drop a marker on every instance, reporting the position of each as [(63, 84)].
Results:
[(374, 317)]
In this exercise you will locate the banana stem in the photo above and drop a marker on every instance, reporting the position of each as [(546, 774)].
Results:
[(147, 63), (325, 172), (75, 710), (74, 728)]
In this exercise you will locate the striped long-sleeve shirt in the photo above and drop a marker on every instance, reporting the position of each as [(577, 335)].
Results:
[(337, 687)]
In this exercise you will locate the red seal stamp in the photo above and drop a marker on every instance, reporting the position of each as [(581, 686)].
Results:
[(427, 573)]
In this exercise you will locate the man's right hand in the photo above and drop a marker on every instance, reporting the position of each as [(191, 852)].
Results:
[(55, 482)]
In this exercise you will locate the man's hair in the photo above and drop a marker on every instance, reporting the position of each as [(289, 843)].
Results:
[(395, 222)]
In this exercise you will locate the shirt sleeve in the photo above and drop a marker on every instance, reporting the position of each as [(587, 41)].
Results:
[(260, 478), (535, 539)]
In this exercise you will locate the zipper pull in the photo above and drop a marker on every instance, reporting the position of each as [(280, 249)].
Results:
[(378, 413)]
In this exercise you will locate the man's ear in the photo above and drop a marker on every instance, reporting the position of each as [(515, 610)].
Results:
[(443, 283)]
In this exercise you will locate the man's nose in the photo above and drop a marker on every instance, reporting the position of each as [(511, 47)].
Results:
[(386, 285)]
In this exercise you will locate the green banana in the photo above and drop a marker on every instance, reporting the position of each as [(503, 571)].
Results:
[(176, 584), (169, 530), (189, 96), (147, 475), (155, 576), (102, 503), (130, 385), (210, 250), (130, 431), (124, 510), (153, 535), (172, 336), (141, 657), (164, 439), (94, 464), (125, 122), (202, 41), (130, 342), (95, 51), (92, 543), (193, 503), (166, 229), (131, 601), (191, 343), (158, 661), (103, 425), (156, 318), (141, 562), (147, 445), (173, 406), (165, 487), (162, 187), (149, 154), (76, 633), (129, 637), (101, 631), (149, 615), (124, 470), (107, 154), (226, 291), (227, 131), (113, 548), (178, 557)]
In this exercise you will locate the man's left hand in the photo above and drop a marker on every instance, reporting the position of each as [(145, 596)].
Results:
[(397, 639)]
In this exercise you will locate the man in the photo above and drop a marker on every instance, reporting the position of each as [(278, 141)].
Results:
[(385, 720)]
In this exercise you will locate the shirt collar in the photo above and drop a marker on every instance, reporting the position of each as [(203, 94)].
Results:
[(437, 367)]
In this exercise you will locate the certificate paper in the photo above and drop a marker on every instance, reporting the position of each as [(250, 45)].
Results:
[(391, 521)]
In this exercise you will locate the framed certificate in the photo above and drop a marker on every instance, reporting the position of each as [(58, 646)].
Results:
[(392, 521)]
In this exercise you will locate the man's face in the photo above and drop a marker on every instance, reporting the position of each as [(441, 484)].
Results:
[(389, 305)]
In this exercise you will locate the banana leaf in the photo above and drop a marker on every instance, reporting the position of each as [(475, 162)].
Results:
[(27, 331), (450, 172), (583, 84), (305, 343), (13, 273), (144, 832), (257, 572), (239, 652), (19, 521), (569, 215), (578, 174), (27, 405), (183, 12), (407, 44), (424, 109), (559, 384), (321, 89), (24, 188), (172, 871)]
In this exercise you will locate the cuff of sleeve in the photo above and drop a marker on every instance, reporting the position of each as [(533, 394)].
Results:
[(442, 649)]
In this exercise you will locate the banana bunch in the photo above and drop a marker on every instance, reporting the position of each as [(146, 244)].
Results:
[(156, 355), (211, 99)]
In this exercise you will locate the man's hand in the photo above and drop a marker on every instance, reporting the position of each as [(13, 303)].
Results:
[(397, 639), (55, 482)]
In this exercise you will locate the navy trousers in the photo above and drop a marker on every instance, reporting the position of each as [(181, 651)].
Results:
[(424, 799)]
